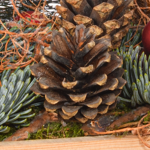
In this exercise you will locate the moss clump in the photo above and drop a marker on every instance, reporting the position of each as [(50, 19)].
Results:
[(56, 130), (147, 119), (121, 108)]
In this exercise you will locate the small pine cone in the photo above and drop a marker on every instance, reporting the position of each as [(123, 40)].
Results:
[(78, 75)]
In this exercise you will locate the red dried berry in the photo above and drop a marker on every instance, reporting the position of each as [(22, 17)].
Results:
[(146, 38)]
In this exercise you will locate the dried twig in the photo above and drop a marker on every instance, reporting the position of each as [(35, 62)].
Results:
[(143, 15), (40, 35), (138, 132), (28, 6)]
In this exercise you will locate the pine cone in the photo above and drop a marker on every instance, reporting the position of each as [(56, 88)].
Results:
[(105, 16), (14, 94), (78, 76)]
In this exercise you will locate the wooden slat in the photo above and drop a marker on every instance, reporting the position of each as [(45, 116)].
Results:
[(81, 143)]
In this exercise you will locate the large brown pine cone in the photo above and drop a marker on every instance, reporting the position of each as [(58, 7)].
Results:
[(105, 16), (77, 75)]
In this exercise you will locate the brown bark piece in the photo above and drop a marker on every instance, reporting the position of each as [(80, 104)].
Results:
[(130, 116), (36, 124), (110, 120), (100, 123)]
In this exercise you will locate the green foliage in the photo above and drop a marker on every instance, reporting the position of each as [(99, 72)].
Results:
[(7, 43), (14, 95), (132, 38), (137, 74), (137, 71), (56, 130), (15, 29)]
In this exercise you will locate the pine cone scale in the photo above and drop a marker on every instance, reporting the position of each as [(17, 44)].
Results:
[(52, 95), (89, 113), (55, 66), (103, 109), (115, 63), (102, 46), (51, 108), (94, 103), (78, 97), (99, 80), (122, 82), (70, 110), (101, 12), (39, 70), (60, 45), (80, 6), (108, 99), (81, 118)]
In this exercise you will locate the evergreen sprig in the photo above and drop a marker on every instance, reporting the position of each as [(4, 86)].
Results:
[(135, 64), (137, 71), (14, 95), (136, 74)]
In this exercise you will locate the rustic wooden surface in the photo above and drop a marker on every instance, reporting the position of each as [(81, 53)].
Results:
[(82, 143)]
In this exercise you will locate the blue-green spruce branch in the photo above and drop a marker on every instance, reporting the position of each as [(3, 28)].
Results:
[(14, 95)]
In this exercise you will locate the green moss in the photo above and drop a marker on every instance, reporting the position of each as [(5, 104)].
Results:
[(51, 131), (121, 107), (147, 119), (56, 130)]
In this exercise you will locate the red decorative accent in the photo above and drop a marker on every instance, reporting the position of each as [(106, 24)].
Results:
[(29, 14), (146, 38)]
